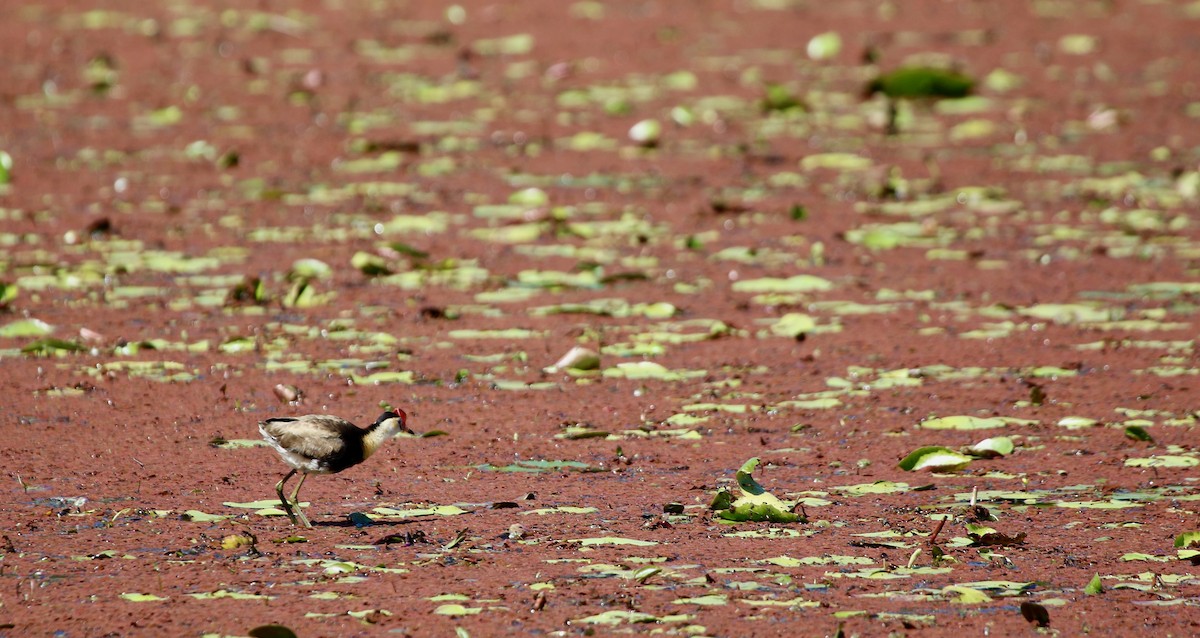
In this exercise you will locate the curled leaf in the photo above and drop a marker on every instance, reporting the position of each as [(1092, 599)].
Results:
[(1187, 540), (992, 447), (370, 265), (577, 358), (755, 504), (1138, 433), (935, 458), (921, 82)]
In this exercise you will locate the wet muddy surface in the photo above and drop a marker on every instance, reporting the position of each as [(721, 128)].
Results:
[(957, 334)]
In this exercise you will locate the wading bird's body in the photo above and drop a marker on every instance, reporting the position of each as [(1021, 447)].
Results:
[(323, 444)]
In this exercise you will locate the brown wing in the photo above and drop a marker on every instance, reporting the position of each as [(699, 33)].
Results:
[(316, 436)]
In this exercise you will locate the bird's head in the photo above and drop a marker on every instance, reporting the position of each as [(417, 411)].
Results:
[(393, 422)]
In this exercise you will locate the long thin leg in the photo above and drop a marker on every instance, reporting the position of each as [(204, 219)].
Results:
[(287, 507), (295, 495)]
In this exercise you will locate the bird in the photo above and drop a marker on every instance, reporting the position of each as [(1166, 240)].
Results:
[(325, 444)]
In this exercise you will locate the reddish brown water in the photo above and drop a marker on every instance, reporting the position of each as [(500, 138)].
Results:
[(104, 458)]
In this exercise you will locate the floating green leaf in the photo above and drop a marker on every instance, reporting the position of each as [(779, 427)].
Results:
[(755, 504), (8, 292), (935, 458), (50, 345), (436, 510), (778, 97), (532, 197), (1077, 44), (537, 466), (309, 268), (26, 328), (824, 46), (1094, 586), (141, 598), (963, 422), (1077, 422), (1187, 540), (614, 617), (793, 325), (921, 82), (745, 478), (1138, 433), (613, 540), (646, 133), (197, 516), (253, 505), (233, 444), (643, 370), (965, 595), (795, 284), (369, 264), (6, 166), (577, 358), (455, 609), (1164, 460)]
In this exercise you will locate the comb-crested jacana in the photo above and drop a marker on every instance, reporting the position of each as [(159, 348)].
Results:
[(325, 444)]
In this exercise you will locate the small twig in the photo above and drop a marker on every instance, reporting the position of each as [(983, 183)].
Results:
[(937, 530)]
